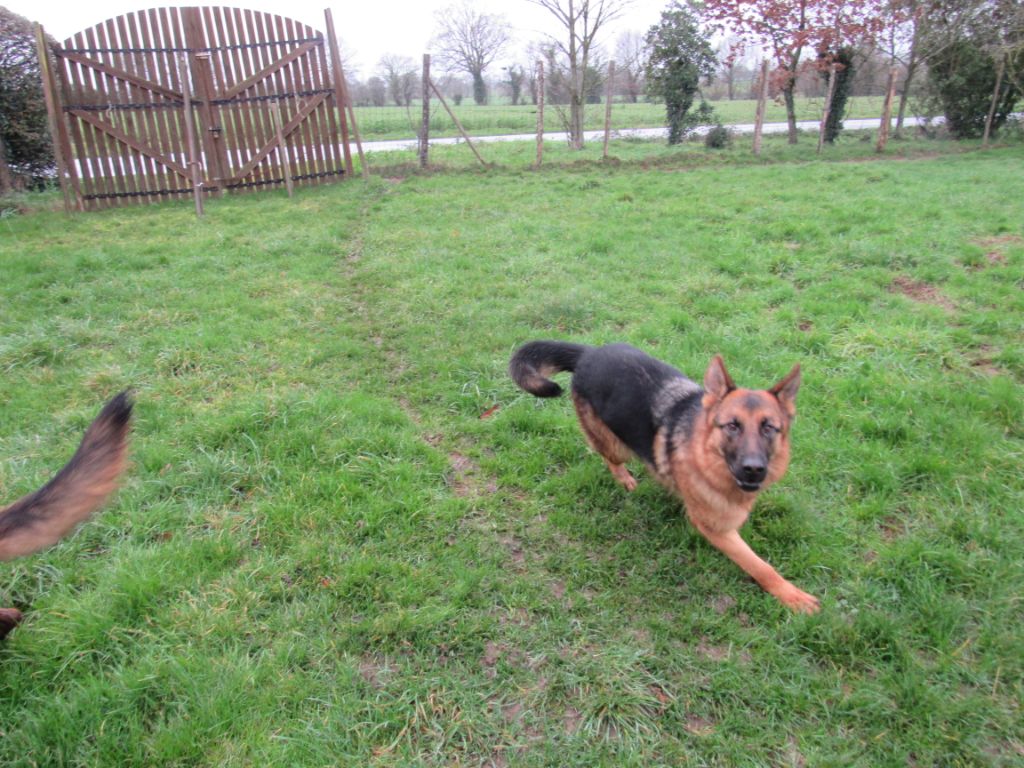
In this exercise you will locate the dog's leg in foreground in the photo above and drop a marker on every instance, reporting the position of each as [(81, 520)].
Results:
[(732, 545), (45, 516), (716, 447)]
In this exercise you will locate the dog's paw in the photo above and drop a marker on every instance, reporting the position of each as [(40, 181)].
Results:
[(797, 600), (625, 479)]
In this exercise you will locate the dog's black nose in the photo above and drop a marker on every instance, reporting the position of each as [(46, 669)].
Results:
[(754, 471)]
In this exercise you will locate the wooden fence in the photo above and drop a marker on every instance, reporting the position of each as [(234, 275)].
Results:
[(174, 103)]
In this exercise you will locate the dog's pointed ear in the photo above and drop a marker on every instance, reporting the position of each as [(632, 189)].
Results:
[(785, 391), (717, 381)]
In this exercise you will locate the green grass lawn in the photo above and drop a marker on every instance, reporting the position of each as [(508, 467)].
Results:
[(348, 539)]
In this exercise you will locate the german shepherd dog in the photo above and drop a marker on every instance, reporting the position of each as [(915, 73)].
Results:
[(43, 517), (716, 447)]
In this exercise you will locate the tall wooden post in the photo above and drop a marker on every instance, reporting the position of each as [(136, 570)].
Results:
[(608, 91), (58, 134), (6, 178), (341, 96), (762, 100), (540, 112), (425, 120), (185, 77), (214, 147), (828, 106), (883, 126), (995, 101)]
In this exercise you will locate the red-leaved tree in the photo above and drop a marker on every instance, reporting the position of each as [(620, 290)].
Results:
[(790, 29)]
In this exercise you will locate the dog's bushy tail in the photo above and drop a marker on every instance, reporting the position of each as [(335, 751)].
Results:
[(41, 518), (533, 362)]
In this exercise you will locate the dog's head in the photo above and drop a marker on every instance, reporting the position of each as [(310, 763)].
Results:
[(749, 428)]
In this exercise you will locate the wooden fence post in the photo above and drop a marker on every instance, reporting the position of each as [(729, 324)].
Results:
[(185, 78), (995, 100), (762, 99), (883, 126), (55, 117), (609, 89), (540, 112), (425, 121), (828, 106), (341, 96)]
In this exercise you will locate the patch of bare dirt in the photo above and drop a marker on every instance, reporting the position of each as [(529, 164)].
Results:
[(997, 246), (986, 366), (891, 528), (572, 718), (922, 292), (794, 757), (984, 363), (515, 551), (723, 604), (699, 726), (372, 669), (518, 617), (716, 652), (492, 652), (465, 480)]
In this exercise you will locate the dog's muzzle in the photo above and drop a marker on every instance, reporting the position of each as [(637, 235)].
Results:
[(750, 475)]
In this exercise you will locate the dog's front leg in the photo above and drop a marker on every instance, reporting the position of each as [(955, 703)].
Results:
[(737, 550)]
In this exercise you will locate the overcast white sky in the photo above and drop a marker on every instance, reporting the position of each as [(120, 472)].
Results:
[(368, 29)]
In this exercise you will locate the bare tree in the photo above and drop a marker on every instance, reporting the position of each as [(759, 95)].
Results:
[(399, 72), (629, 65), (516, 80), (349, 60), (373, 92), (469, 40), (581, 20), (730, 57)]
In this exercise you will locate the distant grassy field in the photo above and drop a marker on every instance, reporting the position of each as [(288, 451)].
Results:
[(379, 123), (347, 539)]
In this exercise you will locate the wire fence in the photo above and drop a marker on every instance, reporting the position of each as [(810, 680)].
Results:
[(397, 123), (394, 122)]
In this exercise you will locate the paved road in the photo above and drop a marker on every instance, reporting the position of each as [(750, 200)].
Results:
[(645, 133)]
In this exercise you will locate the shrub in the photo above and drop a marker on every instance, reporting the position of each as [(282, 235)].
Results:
[(24, 135), (719, 137), (961, 79), (679, 57), (844, 79)]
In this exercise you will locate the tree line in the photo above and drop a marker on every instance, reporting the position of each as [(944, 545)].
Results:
[(964, 60)]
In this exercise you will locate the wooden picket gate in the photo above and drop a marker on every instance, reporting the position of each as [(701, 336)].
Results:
[(173, 103)]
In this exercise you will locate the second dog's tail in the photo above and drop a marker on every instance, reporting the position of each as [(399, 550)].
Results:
[(533, 362), (41, 518)]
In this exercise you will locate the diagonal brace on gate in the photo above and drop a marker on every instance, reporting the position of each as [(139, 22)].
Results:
[(271, 145), (266, 72), (122, 74), (124, 138)]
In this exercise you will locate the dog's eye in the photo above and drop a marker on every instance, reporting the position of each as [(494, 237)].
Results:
[(768, 429), (732, 428)]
